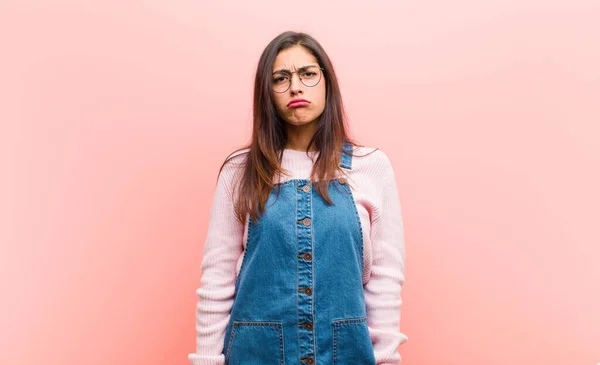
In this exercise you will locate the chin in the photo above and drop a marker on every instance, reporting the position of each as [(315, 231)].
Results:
[(301, 122)]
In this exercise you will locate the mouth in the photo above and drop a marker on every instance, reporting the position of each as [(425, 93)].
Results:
[(298, 103)]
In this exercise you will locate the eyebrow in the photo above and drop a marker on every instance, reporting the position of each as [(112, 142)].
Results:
[(299, 68)]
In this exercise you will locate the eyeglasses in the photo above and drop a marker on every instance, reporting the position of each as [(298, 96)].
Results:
[(308, 75)]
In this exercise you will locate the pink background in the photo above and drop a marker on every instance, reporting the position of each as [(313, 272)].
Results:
[(115, 117)]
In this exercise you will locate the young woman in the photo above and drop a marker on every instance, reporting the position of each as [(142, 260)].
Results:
[(304, 256)]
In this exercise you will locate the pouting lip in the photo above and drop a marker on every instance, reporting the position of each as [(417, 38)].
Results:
[(296, 101)]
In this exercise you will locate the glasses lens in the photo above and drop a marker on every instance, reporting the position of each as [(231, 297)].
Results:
[(310, 76), (281, 82)]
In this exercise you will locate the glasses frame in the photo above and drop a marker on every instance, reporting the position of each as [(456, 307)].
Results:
[(300, 78)]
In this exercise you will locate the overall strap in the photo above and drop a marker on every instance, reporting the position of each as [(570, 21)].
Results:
[(346, 160)]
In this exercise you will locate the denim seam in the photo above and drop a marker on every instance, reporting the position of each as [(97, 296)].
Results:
[(276, 326), (334, 338), (346, 321), (335, 324), (357, 216), (290, 181), (245, 249), (281, 344), (297, 277), (257, 323), (231, 335), (313, 279)]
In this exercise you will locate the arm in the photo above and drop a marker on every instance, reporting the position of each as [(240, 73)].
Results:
[(222, 249), (382, 291)]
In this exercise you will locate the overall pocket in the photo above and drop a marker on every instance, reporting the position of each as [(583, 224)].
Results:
[(351, 342), (255, 343)]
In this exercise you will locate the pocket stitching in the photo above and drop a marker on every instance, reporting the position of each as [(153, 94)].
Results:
[(231, 335), (342, 322), (277, 326)]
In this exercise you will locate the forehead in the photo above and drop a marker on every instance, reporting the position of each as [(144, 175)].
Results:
[(293, 58)]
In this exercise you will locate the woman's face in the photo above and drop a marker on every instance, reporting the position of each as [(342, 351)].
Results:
[(290, 60)]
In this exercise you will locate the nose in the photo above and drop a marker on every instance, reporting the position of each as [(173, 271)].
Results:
[(295, 84)]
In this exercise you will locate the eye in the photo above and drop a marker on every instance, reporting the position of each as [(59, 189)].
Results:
[(279, 79), (310, 73)]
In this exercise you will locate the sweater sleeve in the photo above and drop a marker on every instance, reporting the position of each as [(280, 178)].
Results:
[(382, 291), (222, 249)]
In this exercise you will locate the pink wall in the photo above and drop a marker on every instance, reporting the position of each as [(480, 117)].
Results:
[(115, 116)]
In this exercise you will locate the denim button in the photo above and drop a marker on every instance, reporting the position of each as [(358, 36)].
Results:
[(306, 290), (308, 360), (306, 188), (306, 221), (342, 180), (307, 325), (306, 256)]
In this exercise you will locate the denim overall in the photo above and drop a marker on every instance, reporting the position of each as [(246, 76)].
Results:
[(299, 297)]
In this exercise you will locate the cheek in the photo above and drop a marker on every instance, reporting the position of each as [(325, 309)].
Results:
[(322, 89), (321, 96), (279, 102)]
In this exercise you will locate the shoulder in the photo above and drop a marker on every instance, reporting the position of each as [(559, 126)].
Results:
[(235, 160), (237, 157), (372, 173), (232, 166), (372, 161)]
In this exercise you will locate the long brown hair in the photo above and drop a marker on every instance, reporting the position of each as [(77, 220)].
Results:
[(263, 160)]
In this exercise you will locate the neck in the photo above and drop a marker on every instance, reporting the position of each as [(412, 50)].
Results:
[(298, 136)]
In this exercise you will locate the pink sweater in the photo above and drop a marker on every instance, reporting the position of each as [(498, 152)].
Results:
[(376, 196)]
